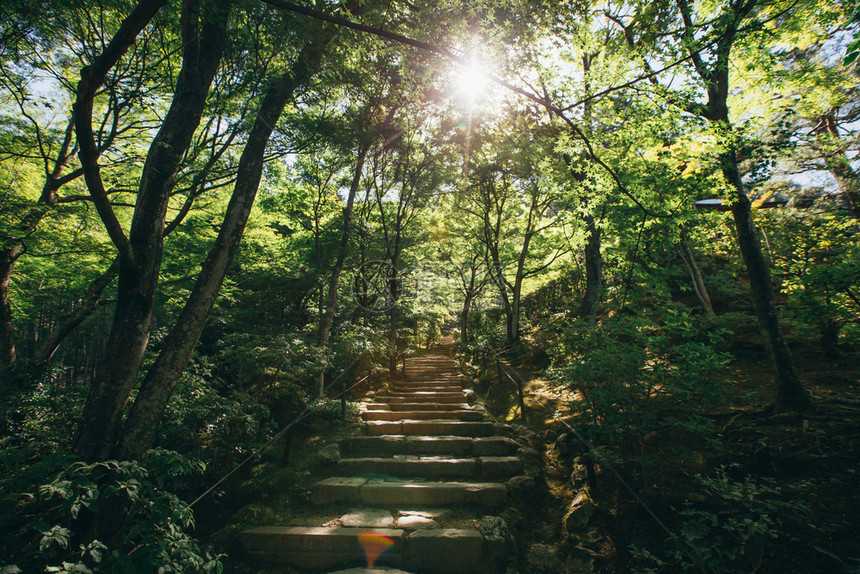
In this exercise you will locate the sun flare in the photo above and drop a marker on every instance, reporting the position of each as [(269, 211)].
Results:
[(471, 82)]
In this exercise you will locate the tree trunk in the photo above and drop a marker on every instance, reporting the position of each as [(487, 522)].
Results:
[(593, 270), (7, 326), (331, 300), (392, 340), (141, 253), (840, 167), (161, 380), (698, 281), (67, 323), (392, 325), (464, 318), (790, 391)]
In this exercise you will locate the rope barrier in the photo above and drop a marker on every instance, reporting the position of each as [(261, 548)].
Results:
[(302, 415), (596, 453)]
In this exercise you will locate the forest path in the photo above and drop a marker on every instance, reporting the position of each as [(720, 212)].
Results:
[(414, 491)]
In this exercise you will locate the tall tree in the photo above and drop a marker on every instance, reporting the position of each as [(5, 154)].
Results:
[(708, 39), (141, 251)]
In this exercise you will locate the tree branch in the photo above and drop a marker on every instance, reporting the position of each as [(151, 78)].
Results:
[(92, 77)]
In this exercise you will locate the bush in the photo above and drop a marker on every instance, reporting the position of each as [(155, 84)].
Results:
[(740, 526), (110, 517)]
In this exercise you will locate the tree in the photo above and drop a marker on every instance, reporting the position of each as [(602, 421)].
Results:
[(707, 39), (519, 214), (39, 130)]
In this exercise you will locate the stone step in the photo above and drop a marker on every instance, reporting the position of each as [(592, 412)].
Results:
[(425, 389), (439, 396), (388, 415), (433, 467), (320, 547), (416, 406), (427, 385), (401, 398), (390, 445), (361, 491), (429, 428)]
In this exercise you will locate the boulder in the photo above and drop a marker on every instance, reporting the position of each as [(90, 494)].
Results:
[(579, 476), (543, 558), (580, 512), (329, 455), (496, 534), (520, 486)]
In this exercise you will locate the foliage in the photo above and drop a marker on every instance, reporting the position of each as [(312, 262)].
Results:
[(65, 515), (630, 374), (742, 525)]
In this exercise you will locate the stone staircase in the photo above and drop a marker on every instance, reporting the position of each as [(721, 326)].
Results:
[(417, 486)]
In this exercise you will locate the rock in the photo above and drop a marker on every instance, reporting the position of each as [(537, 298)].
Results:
[(568, 445), (496, 534), (526, 433), (432, 513), (368, 518), (414, 522), (543, 558), (494, 528), (528, 454), (329, 454), (555, 473), (579, 475), (522, 485), (580, 512), (471, 396), (512, 517), (578, 565)]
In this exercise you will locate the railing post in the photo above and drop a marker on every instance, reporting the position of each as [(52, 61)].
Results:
[(522, 400), (343, 398)]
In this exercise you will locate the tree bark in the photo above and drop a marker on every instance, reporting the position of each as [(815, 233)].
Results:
[(464, 318), (790, 391), (593, 270), (7, 326), (334, 280), (840, 167), (141, 253), (699, 286), (161, 380), (66, 324)]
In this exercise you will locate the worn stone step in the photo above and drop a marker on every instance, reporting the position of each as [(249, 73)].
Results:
[(403, 519), (363, 491), (318, 548), (433, 467), (445, 551), (429, 386), (400, 398), (416, 406), (391, 415), (439, 396), (429, 427), (389, 445)]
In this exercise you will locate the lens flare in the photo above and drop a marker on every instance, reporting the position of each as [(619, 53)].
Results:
[(374, 545)]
